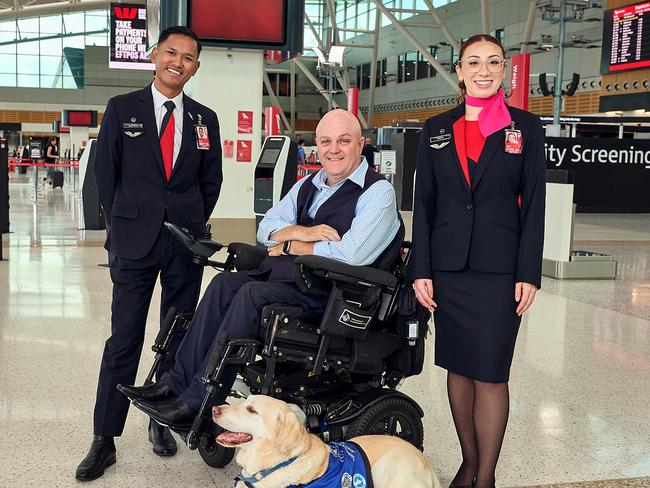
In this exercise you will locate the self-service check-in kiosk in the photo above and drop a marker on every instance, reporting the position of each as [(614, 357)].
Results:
[(275, 173), (92, 215)]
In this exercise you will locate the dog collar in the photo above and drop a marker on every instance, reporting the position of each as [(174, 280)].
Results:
[(260, 475)]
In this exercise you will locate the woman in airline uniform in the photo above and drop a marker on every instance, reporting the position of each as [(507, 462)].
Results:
[(478, 231)]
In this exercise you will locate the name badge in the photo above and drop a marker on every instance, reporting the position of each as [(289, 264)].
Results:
[(133, 129), (438, 142), (202, 138), (513, 141)]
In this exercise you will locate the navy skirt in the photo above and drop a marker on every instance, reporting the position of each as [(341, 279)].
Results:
[(476, 323)]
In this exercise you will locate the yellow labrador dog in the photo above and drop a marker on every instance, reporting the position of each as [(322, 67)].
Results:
[(276, 451)]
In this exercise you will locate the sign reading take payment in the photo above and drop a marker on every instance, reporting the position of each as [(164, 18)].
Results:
[(129, 37)]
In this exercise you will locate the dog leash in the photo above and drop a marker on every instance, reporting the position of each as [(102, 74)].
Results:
[(250, 481)]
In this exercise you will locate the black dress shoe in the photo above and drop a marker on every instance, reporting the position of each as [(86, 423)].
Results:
[(100, 456), (172, 412), (151, 392), (162, 440)]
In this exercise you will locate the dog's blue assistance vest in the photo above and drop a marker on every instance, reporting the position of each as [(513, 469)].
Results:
[(348, 467)]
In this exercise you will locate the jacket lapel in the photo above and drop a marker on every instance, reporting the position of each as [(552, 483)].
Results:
[(492, 142), (188, 127), (146, 110), (458, 151)]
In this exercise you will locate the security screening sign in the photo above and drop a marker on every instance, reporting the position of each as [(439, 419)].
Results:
[(129, 37), (610, 175)]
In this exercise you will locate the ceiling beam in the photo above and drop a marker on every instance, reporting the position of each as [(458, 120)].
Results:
[(28, 10)]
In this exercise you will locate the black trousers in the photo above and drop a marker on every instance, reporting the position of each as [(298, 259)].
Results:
[(232, 302), (133, 284)]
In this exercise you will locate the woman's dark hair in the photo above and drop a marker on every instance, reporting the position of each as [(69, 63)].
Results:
[(301, 142), (473, 40), (181, 30)]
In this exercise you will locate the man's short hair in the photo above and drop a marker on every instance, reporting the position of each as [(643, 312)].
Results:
[(182, 31)]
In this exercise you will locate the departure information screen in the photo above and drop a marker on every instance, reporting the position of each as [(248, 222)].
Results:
[(628, 30), (245, 21)]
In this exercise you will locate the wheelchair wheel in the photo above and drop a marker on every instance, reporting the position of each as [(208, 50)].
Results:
[(390, 416), (213, 454)]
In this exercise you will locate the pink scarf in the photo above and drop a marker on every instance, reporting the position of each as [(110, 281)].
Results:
[(494, 116)]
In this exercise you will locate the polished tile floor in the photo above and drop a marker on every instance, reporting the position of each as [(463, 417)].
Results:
[(580, 386)]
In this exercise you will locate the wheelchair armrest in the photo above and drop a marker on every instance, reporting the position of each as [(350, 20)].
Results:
[(246, 256), (336, 270)]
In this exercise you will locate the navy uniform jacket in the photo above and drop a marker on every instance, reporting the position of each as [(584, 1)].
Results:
[(482, 227), (133, 190)]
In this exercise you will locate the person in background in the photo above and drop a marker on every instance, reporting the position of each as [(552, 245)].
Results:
[(301, 152), (153, 164), (478, 233), (51, 157), (368, 152)]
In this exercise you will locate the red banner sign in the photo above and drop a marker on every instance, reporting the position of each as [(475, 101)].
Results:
[(353, 101), (519, 80), (271, 121)]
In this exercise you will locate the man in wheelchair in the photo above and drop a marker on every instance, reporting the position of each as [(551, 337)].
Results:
[(345, 212)]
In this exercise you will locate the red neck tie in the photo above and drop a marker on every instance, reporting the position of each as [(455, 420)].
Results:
[(167, 138)]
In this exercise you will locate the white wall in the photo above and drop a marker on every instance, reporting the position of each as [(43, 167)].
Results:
[(229, 81)]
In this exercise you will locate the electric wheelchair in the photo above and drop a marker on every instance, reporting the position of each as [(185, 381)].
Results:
[(341, 367)]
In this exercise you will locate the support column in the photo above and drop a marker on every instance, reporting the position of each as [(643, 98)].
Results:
[(229, 81)]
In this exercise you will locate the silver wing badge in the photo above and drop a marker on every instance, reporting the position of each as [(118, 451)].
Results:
[(439, 145)]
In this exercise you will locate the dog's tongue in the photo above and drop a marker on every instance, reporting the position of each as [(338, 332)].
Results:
[(233, 438)]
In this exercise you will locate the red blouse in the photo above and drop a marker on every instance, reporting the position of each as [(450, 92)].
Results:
[(469, 143), (474, 140)]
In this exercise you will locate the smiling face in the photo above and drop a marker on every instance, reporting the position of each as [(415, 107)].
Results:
[(339, 143), (176, 60), (486, 80)]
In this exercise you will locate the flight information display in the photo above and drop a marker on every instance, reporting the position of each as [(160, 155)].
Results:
[(626, 38)]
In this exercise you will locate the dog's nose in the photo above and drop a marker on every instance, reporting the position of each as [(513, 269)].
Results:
[(216, 411)]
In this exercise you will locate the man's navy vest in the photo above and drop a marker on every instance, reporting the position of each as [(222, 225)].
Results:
[(338, 211)]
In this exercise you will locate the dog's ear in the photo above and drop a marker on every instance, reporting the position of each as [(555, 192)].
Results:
[(289, 431)]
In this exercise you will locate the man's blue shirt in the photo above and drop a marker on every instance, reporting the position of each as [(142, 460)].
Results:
[(374, 226)]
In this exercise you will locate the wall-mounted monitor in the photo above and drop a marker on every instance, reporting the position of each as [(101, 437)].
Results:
[(248, 24), (626, 38), (59, 128), (79, 118)]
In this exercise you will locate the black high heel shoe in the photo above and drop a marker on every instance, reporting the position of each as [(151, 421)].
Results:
[(471, 485)]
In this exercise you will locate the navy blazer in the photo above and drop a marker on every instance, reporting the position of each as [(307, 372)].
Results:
[(133, 189), (482, 227)]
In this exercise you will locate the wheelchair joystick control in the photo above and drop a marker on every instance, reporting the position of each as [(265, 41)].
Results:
[(412, 332)]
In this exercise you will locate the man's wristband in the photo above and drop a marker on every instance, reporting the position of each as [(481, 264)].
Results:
[(286, 247)]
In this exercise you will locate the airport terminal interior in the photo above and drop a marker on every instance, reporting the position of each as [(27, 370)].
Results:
[(580, 381)]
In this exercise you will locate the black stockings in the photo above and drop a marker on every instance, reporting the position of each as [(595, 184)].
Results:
[(480, 411)]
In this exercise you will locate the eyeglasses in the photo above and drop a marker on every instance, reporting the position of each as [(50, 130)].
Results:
[(473, 64)]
